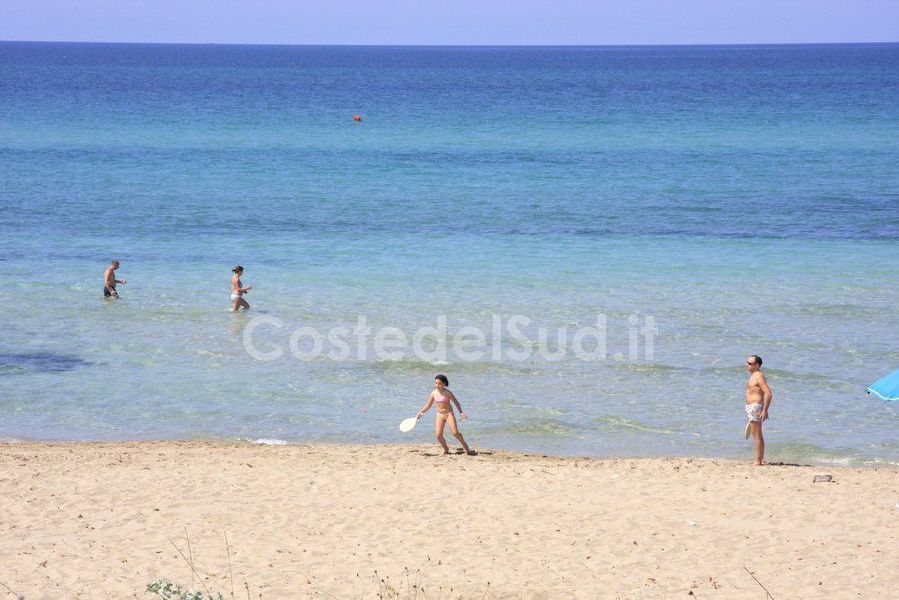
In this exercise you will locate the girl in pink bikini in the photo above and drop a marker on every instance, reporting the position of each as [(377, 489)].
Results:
[(444, 399)]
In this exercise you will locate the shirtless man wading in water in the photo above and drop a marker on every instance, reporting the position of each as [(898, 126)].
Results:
[(758, 399), (109, 280)]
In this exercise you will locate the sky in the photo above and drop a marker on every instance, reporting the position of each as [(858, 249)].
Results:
[(454, 22)]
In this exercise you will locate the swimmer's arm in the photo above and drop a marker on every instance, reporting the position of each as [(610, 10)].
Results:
[(235, 286), (427, 406), (456, 402), (767, 395)]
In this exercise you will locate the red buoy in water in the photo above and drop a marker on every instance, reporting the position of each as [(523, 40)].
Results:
[(357, 118)]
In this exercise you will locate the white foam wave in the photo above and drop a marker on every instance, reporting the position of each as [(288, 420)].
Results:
[(843, 461)]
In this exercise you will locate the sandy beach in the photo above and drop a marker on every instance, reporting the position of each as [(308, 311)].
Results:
[(102, 520)]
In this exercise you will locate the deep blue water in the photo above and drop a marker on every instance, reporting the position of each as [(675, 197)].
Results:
[(745, 197)]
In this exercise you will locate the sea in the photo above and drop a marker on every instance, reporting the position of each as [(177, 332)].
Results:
[(587, 241)]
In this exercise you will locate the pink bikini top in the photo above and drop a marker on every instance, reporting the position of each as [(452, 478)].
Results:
[(442, 398)]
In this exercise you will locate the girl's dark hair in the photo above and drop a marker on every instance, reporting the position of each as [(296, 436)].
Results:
[(442, 378), (237, 269)]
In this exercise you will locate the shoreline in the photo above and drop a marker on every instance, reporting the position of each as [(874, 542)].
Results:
[(104, 519), (744, 456)]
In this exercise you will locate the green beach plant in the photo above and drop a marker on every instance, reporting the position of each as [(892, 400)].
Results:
[(166, 590)]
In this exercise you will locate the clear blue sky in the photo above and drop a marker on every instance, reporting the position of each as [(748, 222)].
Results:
[(452, 21)]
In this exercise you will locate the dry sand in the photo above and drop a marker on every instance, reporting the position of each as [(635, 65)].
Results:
[(98, 520)]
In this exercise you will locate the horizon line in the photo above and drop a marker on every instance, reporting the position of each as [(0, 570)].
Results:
[(385, 45)]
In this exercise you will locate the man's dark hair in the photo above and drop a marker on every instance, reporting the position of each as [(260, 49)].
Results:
[(757, 359)]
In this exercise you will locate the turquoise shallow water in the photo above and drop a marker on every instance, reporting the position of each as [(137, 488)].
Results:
[(743, 197)]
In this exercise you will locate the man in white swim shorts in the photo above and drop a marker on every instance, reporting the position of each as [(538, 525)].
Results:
[(758, 399)]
